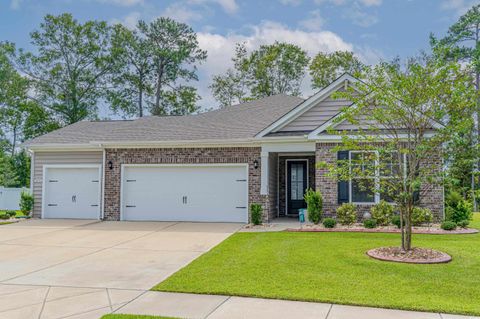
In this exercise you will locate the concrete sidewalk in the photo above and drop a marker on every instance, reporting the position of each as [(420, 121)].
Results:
[(223, 307)]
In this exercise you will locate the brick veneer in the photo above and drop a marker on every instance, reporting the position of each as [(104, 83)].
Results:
[(432, 194), (178, 156)]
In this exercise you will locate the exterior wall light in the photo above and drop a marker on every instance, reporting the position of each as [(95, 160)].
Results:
[(110, 165), (255, 164)]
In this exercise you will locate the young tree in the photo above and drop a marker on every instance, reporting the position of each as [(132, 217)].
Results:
[(132, 81), (326, 67), (397, 111), (269, 70), (70, 68), (174, 53), (462, 43)]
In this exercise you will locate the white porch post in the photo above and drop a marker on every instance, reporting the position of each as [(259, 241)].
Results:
[(264, 173)]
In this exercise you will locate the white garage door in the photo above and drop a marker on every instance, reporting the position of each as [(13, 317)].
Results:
[(185, 193), (72, 192)]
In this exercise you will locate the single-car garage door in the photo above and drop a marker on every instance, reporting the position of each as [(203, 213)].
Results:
[(72, 192), (204, 193)]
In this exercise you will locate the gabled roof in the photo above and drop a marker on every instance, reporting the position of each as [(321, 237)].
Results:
[(242, 121), (307, 104)]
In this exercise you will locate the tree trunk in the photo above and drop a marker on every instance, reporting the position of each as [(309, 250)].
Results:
[(159, 87), (14, 142), (477, 138), (140, 97)]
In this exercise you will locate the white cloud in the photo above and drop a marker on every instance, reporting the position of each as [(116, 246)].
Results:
[(367, 3), (15, 4), (459, 6), (314, 22), (229, 6), (291, 2), (359, 17), (221, 48), (370, 3), (130, 20), (181, 12), (123, 3)]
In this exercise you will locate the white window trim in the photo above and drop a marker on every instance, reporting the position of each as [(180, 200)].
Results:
[(376, 178)]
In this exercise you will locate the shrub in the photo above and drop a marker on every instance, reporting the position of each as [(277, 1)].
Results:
[(329, 222), (448, 225), (11, 213), (26, 203), (382, 213), (421, 216), (396, 220), (453, 198), (370, 223), (4, 216), (314, 205), (463, 223), (346, 214), (461, 211), (256, 213)]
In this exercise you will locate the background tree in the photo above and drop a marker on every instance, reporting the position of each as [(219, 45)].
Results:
[(326, 67), (462, 43), (396, 111), (269, 70), (70, 68), (131, 83), (175, 52)]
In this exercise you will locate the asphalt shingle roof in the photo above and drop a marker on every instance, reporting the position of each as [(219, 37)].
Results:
[(235, 122)]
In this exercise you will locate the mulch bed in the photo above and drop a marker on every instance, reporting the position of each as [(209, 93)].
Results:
[(387, 229), (414, 256)]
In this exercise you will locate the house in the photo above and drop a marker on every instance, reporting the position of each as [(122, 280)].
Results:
[(204, 167)]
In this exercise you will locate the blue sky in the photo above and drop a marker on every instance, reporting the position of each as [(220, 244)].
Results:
[(373, 29)]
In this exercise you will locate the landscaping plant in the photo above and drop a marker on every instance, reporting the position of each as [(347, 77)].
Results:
[(256, 213), (382, 213), (346, 214), (26, 203), (4, 216), (396, 221), (329, 222), (314, 205), (421, 216), (370, 223), (463, 223), (458, 209), (11, 213), (448, 225)]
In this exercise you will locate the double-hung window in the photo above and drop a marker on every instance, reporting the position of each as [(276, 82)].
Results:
[(372, 175)]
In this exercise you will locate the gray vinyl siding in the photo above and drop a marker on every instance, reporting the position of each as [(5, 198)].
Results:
[(317, 115), (363, 123), (52, 158)]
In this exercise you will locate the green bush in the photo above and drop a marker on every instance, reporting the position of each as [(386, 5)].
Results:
[(453, 198), (4, 216), (463, 223), (346, 214), (382, 213), (329, 223), (370, 223), (314, 205), (461, 211), (26, 203), (396, 220), (448, 225), (421, 216), (256, 213), (11, 213)]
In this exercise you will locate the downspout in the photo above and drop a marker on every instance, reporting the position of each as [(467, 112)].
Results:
[(32, 170)]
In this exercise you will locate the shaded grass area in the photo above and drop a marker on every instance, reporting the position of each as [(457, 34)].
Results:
[(333, 267)]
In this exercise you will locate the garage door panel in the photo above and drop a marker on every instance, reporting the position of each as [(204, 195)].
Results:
[(185, 193), (72, 193)]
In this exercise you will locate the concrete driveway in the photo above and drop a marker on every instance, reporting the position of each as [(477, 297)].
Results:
[(83, 269)]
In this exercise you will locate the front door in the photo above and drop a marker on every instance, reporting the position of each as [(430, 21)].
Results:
[(296, 185)]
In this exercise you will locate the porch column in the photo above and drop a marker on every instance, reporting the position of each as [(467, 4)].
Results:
[(264, 173)]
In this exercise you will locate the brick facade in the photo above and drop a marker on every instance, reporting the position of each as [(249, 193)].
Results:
[(178, 156), (432, 194)]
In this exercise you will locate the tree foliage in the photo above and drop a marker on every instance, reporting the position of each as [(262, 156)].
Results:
[(398, 111), (69, 71), (278, 68), (326, 67)]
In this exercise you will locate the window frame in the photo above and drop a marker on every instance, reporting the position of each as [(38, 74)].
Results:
[(376, 178)]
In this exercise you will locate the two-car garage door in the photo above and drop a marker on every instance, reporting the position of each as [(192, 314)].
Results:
[(205, 193)]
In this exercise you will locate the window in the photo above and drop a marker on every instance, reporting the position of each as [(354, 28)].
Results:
[(296, 181), (371, 168)]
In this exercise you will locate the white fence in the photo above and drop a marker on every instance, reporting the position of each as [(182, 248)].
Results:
[(10, 198)]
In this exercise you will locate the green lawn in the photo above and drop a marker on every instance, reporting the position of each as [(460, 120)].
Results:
[(333, 267), (120, 316)]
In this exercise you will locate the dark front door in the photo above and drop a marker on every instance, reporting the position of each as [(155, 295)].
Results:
[(296, 186)]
